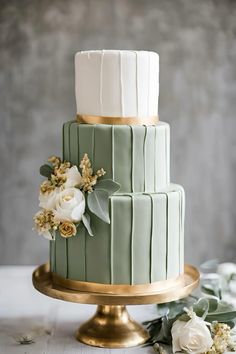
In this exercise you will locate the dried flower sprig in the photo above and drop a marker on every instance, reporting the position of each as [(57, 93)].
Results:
[(45, 220), (89, 180), (222, 339)]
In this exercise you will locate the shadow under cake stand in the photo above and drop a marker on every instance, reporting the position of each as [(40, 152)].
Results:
[(112, 326)]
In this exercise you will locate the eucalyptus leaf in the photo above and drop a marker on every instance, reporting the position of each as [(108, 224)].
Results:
[(209, 289), (221, 316), (98, 204), (201, 307), (86, 222), (107, 185), (46, 170), (213, 304)]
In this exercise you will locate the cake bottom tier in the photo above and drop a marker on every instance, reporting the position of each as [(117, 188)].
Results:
[(144, 243)]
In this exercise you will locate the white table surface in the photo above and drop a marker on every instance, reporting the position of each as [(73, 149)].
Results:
[(23, 309)]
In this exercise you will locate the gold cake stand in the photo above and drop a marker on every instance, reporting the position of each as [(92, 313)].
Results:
[(112, 326)]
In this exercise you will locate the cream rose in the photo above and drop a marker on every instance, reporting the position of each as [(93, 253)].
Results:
[(70, 205), (192, 337), (73, 177), (48, 200), (67, 229)]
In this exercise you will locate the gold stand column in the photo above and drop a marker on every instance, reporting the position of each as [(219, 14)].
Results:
[(112, 327)]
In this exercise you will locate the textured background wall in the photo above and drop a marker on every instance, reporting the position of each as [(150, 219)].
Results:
[(196, 43)]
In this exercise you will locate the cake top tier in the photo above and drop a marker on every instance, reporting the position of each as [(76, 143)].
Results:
[(117, 83)]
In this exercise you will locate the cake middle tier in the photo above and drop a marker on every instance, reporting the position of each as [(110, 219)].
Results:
[(137, 157)]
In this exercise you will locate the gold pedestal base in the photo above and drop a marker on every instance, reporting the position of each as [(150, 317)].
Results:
[(112, 327)]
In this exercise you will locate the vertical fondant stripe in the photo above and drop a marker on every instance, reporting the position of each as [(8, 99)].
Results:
[(122, 157), (144, 157), (167, 232), (122, 210), (112, 153), (66, 245), (112, 243), (93, 145), (61, 260), (167, 141), (102, 149), (76, 256), (149, 157), (155, 162), (151, 240), (173, 234), (159, 237), (138, 158), (180, 228), (51, 255), (132, 159), (131, 241), (141, 238), (73, 151)]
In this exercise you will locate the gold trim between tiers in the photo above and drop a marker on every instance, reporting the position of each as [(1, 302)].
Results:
[(120, 289), (90, 119)]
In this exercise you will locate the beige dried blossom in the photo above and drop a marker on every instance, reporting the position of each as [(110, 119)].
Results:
[(88, 179), (58, 180), (62, 168), (67, 229), (54, 160), (47, 187), (222, 339), (44, 221)]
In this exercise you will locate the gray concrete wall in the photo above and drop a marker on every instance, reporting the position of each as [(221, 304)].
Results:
[(197, 47)]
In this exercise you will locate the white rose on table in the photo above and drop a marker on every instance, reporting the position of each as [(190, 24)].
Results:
[(48, 200), (73, 177), (70, 205), (192, 336)]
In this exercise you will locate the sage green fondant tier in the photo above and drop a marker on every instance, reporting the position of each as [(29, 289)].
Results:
[(143, 243), (137, 157)]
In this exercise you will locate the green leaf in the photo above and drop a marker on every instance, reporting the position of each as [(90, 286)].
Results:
[(210, 289), (107, 185), (221, 316), (46, 170), (184, 317), (201, 307), (86, 222), (213, 303), (98, 203)]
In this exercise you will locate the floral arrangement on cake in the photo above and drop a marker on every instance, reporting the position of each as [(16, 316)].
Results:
[(67, 196), (199, 325)]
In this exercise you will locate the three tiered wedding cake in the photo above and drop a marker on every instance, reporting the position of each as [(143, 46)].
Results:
[(124, 224)]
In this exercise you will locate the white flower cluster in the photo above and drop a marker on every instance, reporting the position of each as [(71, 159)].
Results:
[(65, 202)]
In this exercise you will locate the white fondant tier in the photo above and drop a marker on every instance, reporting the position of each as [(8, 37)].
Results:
[(117, 83)]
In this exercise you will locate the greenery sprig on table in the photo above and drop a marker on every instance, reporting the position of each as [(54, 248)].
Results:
[(196, 325)]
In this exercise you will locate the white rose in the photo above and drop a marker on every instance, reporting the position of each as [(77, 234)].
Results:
[(192, 337), (48, 200), (70, 205), (73, 177)]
